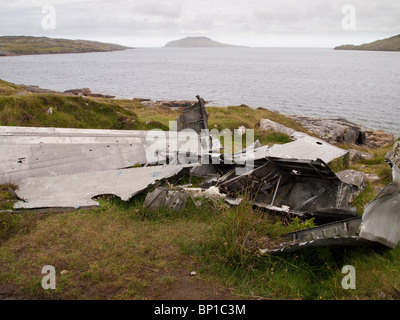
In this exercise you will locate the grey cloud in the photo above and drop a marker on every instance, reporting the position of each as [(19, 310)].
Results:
[(166, 8), (235, 20), (319, 16)]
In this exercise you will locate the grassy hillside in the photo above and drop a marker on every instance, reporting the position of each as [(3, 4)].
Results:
[(120, 251), (23, 45), (389, 44)]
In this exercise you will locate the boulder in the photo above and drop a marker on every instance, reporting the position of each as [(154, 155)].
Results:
[(378, 138), (373, 177), (176, 105), (356, 155), (332, 130), (266, 124), (36, 89), (99, 95), (77, 92), (355, 178), (149, 103), (86, 92), (394, 155)]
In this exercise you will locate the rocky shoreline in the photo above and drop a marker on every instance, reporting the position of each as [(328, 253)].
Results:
[(85, 92), (344, 131)]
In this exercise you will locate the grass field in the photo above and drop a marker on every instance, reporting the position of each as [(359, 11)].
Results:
[(120, 251)]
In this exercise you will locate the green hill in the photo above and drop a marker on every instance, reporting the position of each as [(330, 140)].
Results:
[(196, 42), (24, 45), (389, 44)]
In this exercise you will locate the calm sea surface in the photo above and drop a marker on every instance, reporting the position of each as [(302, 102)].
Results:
[(363, 87)]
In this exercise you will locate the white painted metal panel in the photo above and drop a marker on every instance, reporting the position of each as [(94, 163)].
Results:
[(33, 152), (77, 190)]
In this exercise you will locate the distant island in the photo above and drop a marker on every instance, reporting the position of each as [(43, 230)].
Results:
[(196, 42), (389, 44), (26, 45)]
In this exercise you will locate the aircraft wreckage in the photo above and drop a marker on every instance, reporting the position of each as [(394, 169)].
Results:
[(67, 168)]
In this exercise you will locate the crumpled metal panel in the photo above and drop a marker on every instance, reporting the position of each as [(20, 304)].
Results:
[(306, 187), (304, 147), (341, 233), (164, 198), (74, 191), (379, 224), (194, 117), (381, 218)]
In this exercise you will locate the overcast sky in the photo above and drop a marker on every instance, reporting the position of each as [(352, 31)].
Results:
[(256, 23)]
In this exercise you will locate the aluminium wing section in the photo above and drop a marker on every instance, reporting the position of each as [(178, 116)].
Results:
[(303, 147), (341, 233), (379, 225), (77, 190), (35, 152), (381, 218)]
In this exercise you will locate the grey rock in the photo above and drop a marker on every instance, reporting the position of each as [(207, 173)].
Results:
[(36, 89), (84, 92), (394, 155), (331, 130), (177, 105), (355, 155), (266, 124), (149, 104), (373, 177)]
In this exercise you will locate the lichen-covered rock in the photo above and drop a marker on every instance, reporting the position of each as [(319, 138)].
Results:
[(373, 177), (394, 155), (356, 155), (266, 124), (378, 138), (77, 92), (332, 130), (175, 104)]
